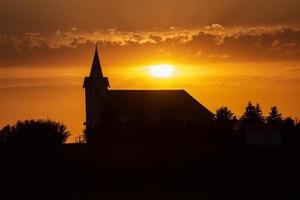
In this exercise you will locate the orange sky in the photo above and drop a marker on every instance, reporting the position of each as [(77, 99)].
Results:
[(223, 55)]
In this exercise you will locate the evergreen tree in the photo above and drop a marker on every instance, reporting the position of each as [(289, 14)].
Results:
[(259, 114), (252, 114), (251, 120), (249, 113), (274, 118)]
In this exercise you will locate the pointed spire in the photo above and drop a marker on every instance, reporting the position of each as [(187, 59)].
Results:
[(96, 70)]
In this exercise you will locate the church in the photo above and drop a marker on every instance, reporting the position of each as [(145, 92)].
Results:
[(138, 115)]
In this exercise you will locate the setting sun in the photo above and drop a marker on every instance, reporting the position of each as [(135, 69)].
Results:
[(161, 71)]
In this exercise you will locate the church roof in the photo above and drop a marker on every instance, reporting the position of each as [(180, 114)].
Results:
[(96, 70), (156, 102)]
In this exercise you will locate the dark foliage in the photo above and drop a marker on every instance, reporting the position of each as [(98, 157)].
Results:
[(253, 121), (289, 131), (224, 126), (34, 134), (253, 114), (275, 117)]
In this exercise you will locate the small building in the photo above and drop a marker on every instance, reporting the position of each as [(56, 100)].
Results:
[(144, 114)]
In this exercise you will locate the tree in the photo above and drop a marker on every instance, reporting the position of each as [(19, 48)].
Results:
[(274, 118), (34, 134), (297, 132), (289, 131), (249, 113), (289, 123), (252, 121), (224, 116), (252, 114), (225, 122), (259, 114)]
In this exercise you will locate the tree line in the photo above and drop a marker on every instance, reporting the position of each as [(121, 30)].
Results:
[(228, 126)]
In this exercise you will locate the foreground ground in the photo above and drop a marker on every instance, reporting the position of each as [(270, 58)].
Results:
[(151, 172)]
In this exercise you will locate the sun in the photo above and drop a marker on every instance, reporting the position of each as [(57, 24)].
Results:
[(161, 71)]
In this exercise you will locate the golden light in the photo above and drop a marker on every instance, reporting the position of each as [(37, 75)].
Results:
[(161, 71)]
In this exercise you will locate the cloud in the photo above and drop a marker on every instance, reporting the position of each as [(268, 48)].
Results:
[(33, 40), (214, 42)]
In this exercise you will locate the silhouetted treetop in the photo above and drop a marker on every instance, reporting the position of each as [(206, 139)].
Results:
[(253, 114), (34, 134), (223, 114), (259, 113), (288, 124), (275, 117), (225, 122)]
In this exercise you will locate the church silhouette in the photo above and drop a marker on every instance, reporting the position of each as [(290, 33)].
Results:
[(126, 116)]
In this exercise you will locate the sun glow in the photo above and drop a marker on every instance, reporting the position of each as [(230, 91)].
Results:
[(161, 71)]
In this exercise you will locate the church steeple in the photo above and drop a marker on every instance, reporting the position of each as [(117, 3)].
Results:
[(96, 70), (96, 97)]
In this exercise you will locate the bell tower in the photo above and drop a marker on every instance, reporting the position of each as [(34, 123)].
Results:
[(96, 97)]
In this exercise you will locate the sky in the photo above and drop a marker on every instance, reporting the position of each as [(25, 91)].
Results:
[(224, 52)]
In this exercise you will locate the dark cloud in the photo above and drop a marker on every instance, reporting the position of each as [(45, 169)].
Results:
[(17, 16), (210, 43)]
